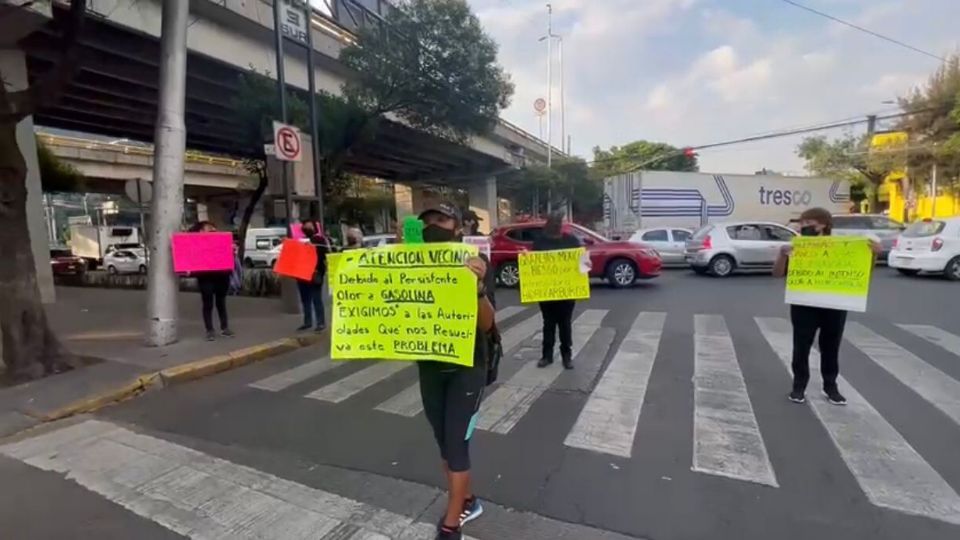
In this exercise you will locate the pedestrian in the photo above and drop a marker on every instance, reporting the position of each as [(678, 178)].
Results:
[(311, 291), (451, 393), (808, 320), (557, 314), (214, 286), (354, 239), (471, 223)]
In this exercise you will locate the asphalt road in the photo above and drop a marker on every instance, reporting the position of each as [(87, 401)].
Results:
[(674, 425)]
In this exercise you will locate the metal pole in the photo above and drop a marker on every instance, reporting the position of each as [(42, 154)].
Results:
[(281, 90), (314, 121), (933, 192), (143, 226), (549, 89), (170, 141), (563, 110)]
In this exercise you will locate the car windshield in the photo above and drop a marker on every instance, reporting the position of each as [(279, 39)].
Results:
[(924, 228)]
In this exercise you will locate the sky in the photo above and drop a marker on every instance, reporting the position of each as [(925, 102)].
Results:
[(692, 72)]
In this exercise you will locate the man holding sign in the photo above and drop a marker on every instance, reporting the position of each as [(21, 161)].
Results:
[(827, 277), (557, 314)]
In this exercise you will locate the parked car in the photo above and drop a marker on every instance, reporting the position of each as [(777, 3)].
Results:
[(64, 263), (125, 261), (620, 263), (262, 246), (377, 240), (931, 245), (139, 249), (670, 243), (722, 249), (878, 228)]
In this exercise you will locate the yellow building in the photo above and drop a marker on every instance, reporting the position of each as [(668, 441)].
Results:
[(894, 193)]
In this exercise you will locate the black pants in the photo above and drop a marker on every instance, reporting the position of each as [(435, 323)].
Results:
[(451, 399), (311, 300), (557, 315), (213, 290), (806, 321)]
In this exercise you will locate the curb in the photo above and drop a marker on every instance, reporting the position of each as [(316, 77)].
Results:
[(186, 372)]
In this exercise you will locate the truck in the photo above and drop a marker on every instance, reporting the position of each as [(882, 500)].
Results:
[(91, 242), (649, 199)]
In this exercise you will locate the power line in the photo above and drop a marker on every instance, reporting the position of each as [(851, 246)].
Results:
[(865, 30)]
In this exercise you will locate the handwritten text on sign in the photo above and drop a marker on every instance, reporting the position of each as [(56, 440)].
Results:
[(830, 272), (553, 275), (405, 302)]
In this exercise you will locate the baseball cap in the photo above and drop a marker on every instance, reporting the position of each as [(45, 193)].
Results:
[(444, 209)]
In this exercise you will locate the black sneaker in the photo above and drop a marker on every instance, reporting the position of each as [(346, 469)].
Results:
[(835, 397), (797, 396), (472, 509), (320, 328), (226, 332), (446, 533), (544, 362), (304, 327), (567, 363), (211, 335)]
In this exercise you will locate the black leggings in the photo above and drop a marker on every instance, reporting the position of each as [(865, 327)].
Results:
[(213, 289), (557, 315), (451, 398), (806, 321)]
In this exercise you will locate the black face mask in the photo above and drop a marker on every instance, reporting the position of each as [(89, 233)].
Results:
[(435, 233), (809, 230)]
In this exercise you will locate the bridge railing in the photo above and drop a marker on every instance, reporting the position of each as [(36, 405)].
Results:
[(146, 151)]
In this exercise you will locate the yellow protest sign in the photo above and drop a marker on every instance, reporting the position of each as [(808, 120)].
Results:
[(553, 275), (405, 302), (831, 272), (333, 259)]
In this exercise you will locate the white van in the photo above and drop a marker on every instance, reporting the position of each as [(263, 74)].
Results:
[(262, 246)]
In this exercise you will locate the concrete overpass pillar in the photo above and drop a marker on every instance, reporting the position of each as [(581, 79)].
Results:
[(409, 200), (484, 201), (13, 66)]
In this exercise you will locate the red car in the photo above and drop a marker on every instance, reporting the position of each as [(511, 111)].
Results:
[(64, 263), (620, 263)]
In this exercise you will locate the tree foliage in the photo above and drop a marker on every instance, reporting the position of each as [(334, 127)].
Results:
[(567, 180), (646, 155), (934, 122), (55, 175), (432, 65), (849, 158)]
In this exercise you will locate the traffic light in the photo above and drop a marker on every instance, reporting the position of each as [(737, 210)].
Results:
[(689, 153)]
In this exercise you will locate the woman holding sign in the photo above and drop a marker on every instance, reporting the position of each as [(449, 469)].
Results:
[(557, 314), (311, 291), (214, 286), (808, 320)]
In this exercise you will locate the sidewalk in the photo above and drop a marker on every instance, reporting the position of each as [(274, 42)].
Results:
[(109, 324)]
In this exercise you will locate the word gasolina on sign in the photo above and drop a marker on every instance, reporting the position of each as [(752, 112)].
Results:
[(405, 302)]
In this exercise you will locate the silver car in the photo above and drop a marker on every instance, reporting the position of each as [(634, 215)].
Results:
[(724, 248), (878, 228), (670, 243)]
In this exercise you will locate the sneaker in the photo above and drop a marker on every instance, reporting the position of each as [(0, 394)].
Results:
[(567, 363), (835, 397), (544, 362), (472, 509), (226, 332), (797, 396), (446, 533), (211, 335), (320, 328), (304, 327)]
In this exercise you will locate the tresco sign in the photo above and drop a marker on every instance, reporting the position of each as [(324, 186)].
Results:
[(785, 197)]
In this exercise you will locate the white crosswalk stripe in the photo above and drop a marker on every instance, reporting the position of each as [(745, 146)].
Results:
[(200, 496), (608, 421), (510, 402), (937, 336), (355, 383), (891, 473), (290, 377), (930, 383), (726, 437)]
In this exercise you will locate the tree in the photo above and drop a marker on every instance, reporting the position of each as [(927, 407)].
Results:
[(646, 155), (934, 121), (432, 65), (850, 158), (55, 175), (30, 348), (567, 180)]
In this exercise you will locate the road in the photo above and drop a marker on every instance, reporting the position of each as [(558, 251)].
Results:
[(674, 425)]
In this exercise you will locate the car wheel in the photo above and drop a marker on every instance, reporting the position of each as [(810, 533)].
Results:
[(952, 271), (143, 269), (908, 271), (722, 266), (621, 273), (112, 270), (248, 263), (509, 274)]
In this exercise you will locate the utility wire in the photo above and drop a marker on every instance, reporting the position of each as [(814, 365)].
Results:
[(865, 30)]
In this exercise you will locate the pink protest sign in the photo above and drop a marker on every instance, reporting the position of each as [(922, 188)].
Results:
[(202, 252), (297, 230)]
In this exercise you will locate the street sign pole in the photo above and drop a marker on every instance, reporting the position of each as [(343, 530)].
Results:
[(314, 121), (281, 90)]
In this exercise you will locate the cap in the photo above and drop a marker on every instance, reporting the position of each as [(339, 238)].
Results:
[(444, 209), (471, 215)]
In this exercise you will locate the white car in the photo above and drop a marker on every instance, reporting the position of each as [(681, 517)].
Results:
[(670, 243), (377, 240), (125, 261), (931, 245)]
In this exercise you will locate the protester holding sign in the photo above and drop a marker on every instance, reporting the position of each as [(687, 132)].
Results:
[(451, 393), (808, 318), (214, 286), (557, 314), (471, 223), (311, 290)]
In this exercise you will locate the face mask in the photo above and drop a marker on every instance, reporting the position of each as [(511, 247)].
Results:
[(435, 233), (809, 230)]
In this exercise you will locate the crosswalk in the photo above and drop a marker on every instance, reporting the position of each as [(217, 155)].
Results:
[(728, 440)]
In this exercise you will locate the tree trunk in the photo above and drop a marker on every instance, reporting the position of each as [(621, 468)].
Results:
[(30, 348), (248, 211)]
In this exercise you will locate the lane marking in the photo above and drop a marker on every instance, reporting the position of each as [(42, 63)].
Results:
[(608, 421), (726, 438), (510, 402), (933, 385), (290, 377), (890, 472), (200, 496), (509, 311), (942, 338), (355, 383)]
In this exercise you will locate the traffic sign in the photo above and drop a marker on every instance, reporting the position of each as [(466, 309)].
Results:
[(540, 105), (287, 142)]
